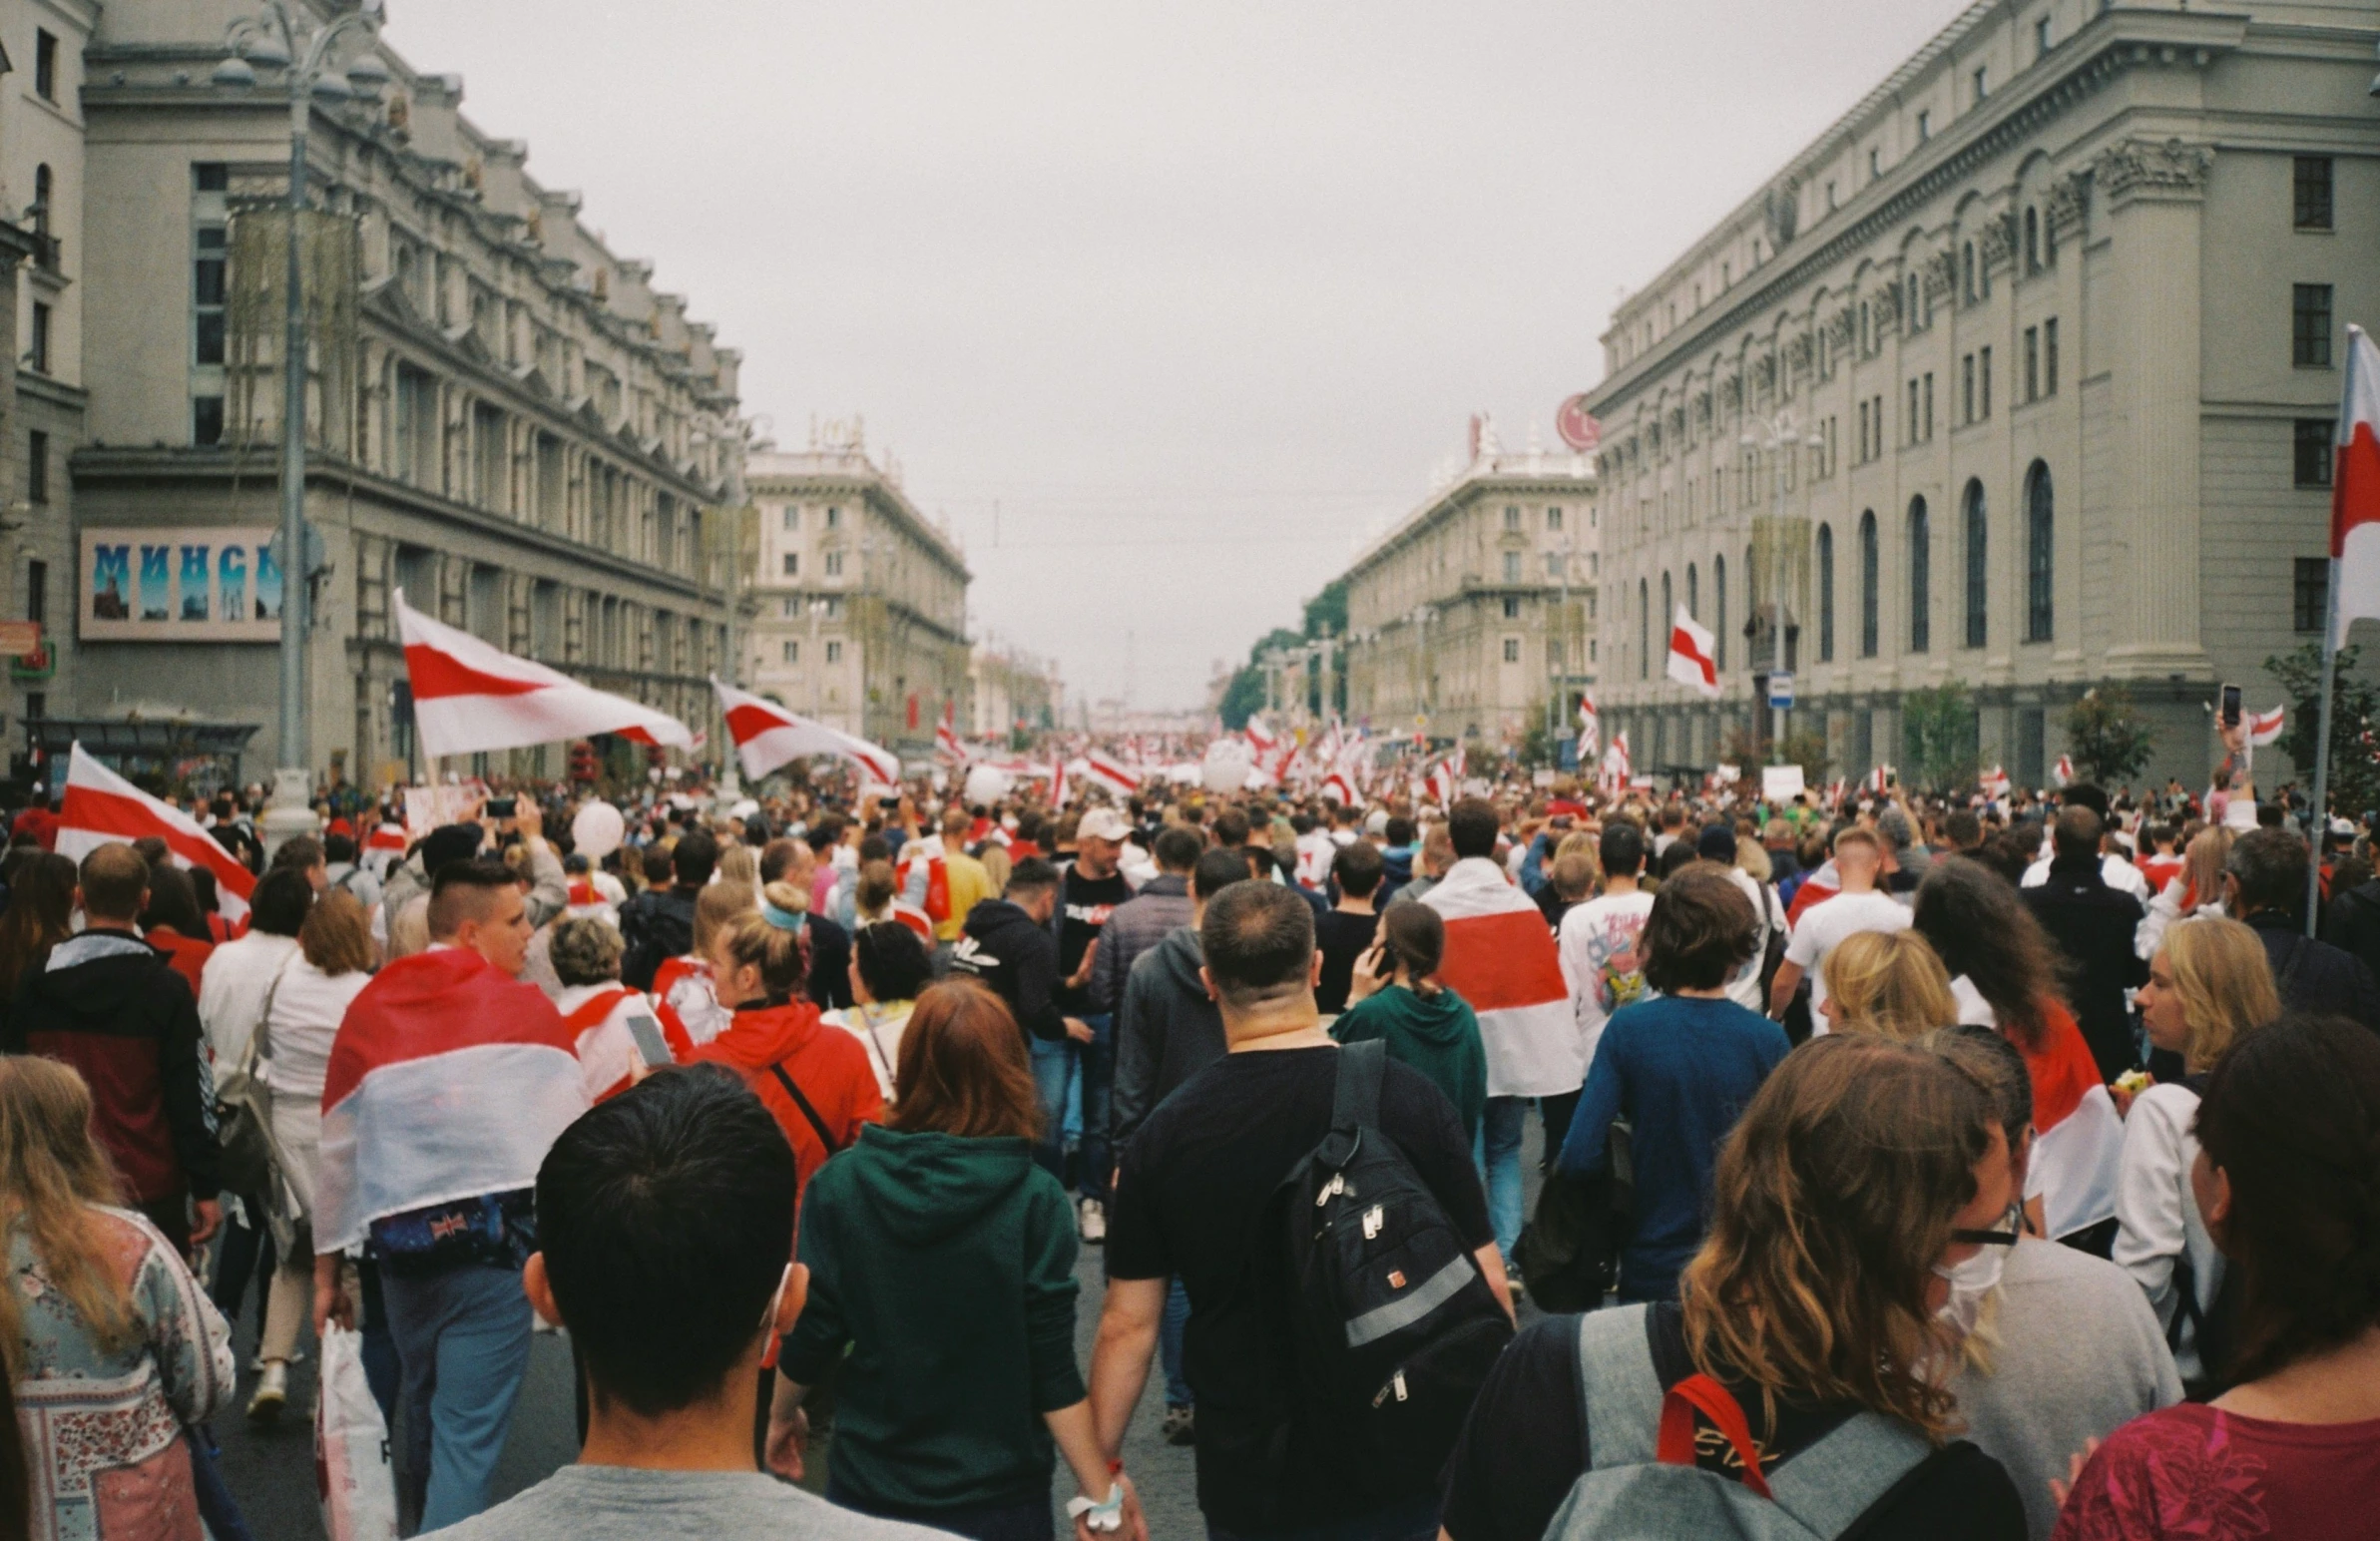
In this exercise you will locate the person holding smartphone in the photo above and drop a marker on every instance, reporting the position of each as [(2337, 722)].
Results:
[(621, 1037), (1394, 996)]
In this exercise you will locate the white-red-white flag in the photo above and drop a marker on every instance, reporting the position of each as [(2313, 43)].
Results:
[(2063, 771), (1059, 790), (1111, 772), (2268, 727), (102, 806), (2355, 489), (1441, 783), (1616, 762), (947, 742), (1994, 782), (470, 697), (1694, 654), (1339, 787), (767, 736), (1260, 738), (1590, 727)]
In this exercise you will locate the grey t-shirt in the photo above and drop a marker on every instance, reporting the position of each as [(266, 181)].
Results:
[(619, 1503), (2076, 1353)]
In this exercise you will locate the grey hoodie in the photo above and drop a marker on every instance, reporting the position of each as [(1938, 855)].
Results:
[(1166, 1032)]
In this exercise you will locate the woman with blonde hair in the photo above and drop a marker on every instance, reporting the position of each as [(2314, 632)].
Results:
[(1886, 982), (2208, 984), (1808, 1355), (303, 1010), (2198, 890), (111, 1347), (685, 986)]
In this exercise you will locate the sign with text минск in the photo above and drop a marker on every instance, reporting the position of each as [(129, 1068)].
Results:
[(173, 583)]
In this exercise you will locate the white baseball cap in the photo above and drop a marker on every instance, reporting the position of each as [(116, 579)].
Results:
[(1103, 824)]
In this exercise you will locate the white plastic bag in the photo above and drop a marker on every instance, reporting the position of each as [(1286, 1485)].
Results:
[(358, 1488)]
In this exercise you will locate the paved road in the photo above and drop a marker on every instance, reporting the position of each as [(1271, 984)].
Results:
[(273, 1472)]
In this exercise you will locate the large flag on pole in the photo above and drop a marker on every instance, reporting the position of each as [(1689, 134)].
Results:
[(469, 697), (1589, 728), (2356, 490), (1111, 772), (767, 736), (102, 806), (1693, 655), (947, 742)]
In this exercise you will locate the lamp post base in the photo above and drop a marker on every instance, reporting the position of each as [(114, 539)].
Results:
[(290, 811)]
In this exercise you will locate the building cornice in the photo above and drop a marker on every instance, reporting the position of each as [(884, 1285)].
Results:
[(1495, 478)]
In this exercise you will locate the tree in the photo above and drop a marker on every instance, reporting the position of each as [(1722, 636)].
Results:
[(1938, 735), (2107, 736), (2354, 783)]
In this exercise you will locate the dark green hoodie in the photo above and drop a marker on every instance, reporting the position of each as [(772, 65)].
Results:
[(1437, 1034), (946, 1266)]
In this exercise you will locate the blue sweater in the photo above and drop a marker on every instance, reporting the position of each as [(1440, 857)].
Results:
[(1680, 1071)]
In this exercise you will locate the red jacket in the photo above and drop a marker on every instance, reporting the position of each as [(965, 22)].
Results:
[(831, 1067), (188, 954)]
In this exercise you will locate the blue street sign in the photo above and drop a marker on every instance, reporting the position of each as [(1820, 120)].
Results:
[(1780, 692)]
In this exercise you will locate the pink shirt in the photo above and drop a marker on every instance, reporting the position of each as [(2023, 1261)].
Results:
[(2201, 1472)]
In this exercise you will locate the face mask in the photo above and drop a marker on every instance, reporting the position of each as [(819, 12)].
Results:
[(1970, 1283)]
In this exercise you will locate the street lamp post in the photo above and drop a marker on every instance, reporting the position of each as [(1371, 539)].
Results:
[(1777, 438), (278, 39), (733, 435)]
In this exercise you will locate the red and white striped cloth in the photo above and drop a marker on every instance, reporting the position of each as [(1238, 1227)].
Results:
[(446, 1080), (1059, 788), (2355, 490), (102, 806), (768, 736), (947, 742), (1693, 652), (2267, 727), (1501, 960), (597, 1016), (2078, 1150), (470, 697), (1111, 772)]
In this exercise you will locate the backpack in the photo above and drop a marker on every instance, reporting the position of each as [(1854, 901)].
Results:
[(1772, 953), (1391, 1327), (1642, 1482)]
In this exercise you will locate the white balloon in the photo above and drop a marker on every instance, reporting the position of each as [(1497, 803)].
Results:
[(986, 785), (1227, 766), (1181, 775), (598, 830)]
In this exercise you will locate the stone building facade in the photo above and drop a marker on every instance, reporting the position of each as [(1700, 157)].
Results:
[(860, 603), (2046, 332), (1476, 615), (507, 420)]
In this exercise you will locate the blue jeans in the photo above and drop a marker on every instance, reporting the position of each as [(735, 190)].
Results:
[(1053, 1079), (1500, 1168), (1410, 1519), (1169, 1343), (1096, 1060), (462, 1341)]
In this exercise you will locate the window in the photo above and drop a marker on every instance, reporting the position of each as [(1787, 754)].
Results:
[(43, 185), (1925, 125), (1693, 591), (37, 592), (210, 179), (1669, 601), (1554, 567), (1512, 650), (2313, 200), (1553, 519), (1643, 631), (1983, 383), (2033, 241), (2049, 357), (45, 65), (834, 518), (1869, 563), (1983, 83), (1967, 272), (1978, 577), (1909, 419), (792, 519), (207, 419), (2040, 35), (1511, 606), (2316, 437), (792, 652), (37, 467), (1826, 594), (1967, 388), (1511, 519), (1863, 433), (1718, 597), (2032, 362), (834, 653), (1875, 164), (1512, 567), (37, 353), (2310, 597), (791, 605), (2309, 331), (1921, 578), (793, 564), (834, 564), (2039, 555)]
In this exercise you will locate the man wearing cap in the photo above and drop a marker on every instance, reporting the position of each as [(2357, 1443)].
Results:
[(1092, 890)]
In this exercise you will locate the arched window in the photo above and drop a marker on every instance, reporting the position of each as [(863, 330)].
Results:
[(1921, 578), (1693, 591), (1868, 575), (1643, 631), (1977, 547), (1718, 597), (2033, 241), (1826, 594), (2041, 555)]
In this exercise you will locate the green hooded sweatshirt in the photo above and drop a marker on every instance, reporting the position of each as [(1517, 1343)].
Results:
[(1436, 1034), (945, 1266)]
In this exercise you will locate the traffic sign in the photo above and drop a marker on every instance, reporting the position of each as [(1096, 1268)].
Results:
[(1780, 692)]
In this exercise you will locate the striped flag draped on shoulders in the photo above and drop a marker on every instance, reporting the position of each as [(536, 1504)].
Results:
[(102, 806), (447, 1080), (1501, 960)]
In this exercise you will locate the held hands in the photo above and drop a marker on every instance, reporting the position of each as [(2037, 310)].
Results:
[(1117, 1518), (2073, 1472)]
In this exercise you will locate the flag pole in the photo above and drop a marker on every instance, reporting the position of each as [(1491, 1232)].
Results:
[(2322, 704)]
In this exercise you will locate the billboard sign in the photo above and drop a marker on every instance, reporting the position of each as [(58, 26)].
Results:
[(174, 584)]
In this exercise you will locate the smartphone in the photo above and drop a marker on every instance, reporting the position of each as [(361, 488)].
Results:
[(2230, 706), (503, 807), (649, 1041)]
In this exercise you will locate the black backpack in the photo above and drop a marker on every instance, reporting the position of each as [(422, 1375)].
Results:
[(1391, 1327)]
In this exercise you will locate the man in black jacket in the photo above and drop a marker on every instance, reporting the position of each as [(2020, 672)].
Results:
[(2264, 883), (664, 925), (2093, 925), (1008, 944), (112, 1006)]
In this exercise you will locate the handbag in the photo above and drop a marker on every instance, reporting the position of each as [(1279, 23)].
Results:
[(243, 1112), (1569, 1252)]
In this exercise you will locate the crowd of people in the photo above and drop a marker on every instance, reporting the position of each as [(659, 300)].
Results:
[(1910, 1166)]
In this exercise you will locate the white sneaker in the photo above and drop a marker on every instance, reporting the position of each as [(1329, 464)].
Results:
[(1095, 1221), (271, 1395)]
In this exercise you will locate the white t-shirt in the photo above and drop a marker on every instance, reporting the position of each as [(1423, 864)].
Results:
[(1601, 963), (1745, 988), (2118, 874), (1823, 927)]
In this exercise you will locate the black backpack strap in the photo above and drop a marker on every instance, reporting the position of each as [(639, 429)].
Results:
[(1355, 1095), (804, 1103)]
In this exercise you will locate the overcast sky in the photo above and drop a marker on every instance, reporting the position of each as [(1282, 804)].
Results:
[(1165, 308)]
